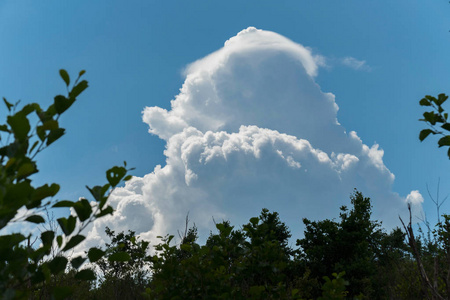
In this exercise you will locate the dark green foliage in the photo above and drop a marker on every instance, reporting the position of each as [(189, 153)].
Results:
[(256, 261), (251, 263), (432, 257), (355, 245), (334, 289), (123, 266), (27, 269), (64, 286)]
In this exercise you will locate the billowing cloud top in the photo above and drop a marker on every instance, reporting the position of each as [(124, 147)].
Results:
[(251, 129), (258, 78)]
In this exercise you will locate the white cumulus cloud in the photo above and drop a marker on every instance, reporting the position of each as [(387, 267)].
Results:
[(249, 129)]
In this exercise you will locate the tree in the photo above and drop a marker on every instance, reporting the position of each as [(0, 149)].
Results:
[(432, 256), (24, 269), (355, 245), (123, 268), (251, 263)]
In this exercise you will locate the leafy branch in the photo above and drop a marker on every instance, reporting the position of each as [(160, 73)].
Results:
[(24, 268), (435, 119)]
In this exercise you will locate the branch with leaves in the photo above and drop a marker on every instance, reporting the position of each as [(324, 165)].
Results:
[(24, 268), (436, 119)]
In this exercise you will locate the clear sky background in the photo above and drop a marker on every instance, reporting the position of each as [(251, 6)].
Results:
[(135, 52)]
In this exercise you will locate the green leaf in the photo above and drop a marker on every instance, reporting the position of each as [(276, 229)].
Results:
[(47, 115), (74, 241), (64, 203), (256, 290), (77, 261), (4, 128), (8, 105), (59, 240), (446, 126), (185, 247), (11, 240), (40, 275), (119, 256), (220, 227), (431, 98), (81, 73), (29, 108), (57, 265), (62, 103), (254, 221), (34, 146), (95, 254), (97, 192), (424, 133), (67, 224), (430, 117), (50, 125), (35, 219), (83, 209), (45, 191), (425, 102), (54, 135), (115, 175), (441, 99), (78, 89), (445, 141), (62, 292), (47, 237), (20, 125), (65, 76), (18, 194), (51, 111), (85, 275), (25, 170), (107, 211), (41, 133)]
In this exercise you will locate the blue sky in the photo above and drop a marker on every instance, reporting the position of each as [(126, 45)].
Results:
[(135, 53)]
